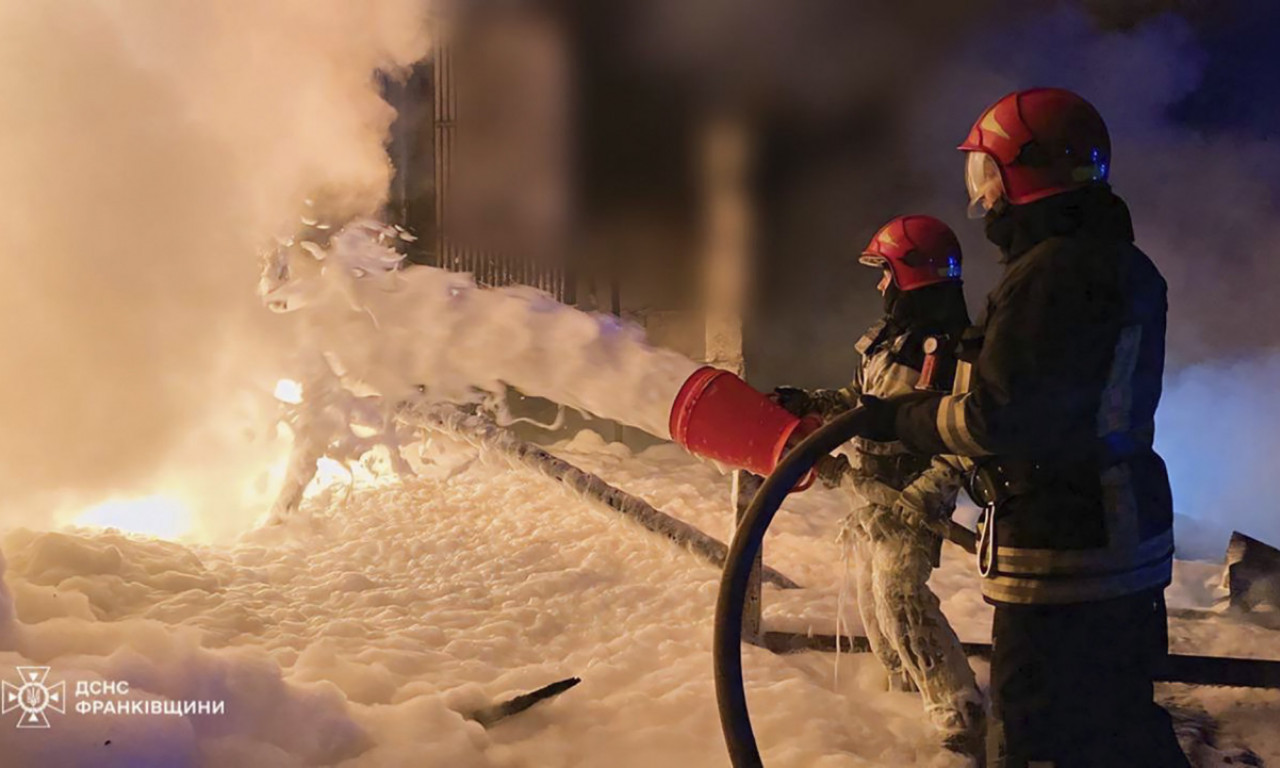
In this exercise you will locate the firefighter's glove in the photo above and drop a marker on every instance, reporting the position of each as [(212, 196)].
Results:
[(832, 470), (829, 402), (882, 417), (793, 400)]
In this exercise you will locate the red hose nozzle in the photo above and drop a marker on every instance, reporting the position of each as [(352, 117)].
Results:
[(719, 416)]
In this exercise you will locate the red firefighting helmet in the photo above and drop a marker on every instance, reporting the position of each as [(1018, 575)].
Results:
[(917, 251), (1034, 144)]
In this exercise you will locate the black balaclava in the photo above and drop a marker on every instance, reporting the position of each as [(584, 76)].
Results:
[(1000, 224), (891, 296), (1015, 229), (937, 308)]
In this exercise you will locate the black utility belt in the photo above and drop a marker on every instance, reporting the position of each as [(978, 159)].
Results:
[(997, 480)]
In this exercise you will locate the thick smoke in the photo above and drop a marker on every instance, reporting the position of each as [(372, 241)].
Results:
[(1203, 209), (862, 108), (1220, 436), (793, 61), (151, 149)]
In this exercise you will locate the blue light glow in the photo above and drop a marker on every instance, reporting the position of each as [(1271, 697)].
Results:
[(1218, 429), (1100, 163)]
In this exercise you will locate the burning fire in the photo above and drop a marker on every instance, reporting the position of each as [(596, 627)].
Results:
[(329, 474), (158, 515), (334, 475), (288, 391), (180, 504)]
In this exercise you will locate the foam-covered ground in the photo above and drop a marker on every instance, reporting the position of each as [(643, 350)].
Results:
[(357, 636)]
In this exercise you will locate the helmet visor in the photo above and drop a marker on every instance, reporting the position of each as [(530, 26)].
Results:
[(982, 179)]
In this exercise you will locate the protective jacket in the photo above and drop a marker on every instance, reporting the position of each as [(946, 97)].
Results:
[(890, 365), (910, 490), (892, 357), (1055, 401)]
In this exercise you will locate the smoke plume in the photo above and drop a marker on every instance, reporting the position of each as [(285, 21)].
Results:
[(151, 149)]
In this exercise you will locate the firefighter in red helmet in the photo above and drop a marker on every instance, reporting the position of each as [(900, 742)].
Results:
[(900, 503), (1054, 406)]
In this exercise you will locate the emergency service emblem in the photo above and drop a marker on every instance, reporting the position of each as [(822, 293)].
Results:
[(32, 697)]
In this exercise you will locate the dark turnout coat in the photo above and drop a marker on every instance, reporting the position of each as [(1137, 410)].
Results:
[(1055, 405)]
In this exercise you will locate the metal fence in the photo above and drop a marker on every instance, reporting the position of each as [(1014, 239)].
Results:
[(489, 268)]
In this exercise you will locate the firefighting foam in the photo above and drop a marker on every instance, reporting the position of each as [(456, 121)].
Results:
[(421, 331)]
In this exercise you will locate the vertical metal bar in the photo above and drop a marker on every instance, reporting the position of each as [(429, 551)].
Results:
[(530, 268), (445, 106), (745, 486)]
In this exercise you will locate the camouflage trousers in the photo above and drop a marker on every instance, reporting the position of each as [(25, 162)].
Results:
[(904, 622)]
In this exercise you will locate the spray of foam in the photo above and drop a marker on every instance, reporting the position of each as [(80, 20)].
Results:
[(379, 335), (149, 151)]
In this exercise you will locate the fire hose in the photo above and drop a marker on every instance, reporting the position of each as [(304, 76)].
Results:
[(731, 696)]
